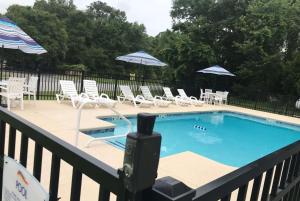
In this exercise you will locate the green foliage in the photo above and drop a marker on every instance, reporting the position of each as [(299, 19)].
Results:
[(69, 67), (258, 40), (93, 37)]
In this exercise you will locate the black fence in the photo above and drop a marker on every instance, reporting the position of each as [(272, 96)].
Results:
[(285, 105), (48, 82), (275, 177), (81, 162), (48, 86)]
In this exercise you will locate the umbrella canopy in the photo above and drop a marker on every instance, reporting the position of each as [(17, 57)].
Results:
[(141, 57), (218, 70), (12, 37)]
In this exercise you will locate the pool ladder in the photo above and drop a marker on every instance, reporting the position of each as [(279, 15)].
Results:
[(100, 138)]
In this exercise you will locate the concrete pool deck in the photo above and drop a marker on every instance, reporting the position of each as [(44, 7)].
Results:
[(60, 119)]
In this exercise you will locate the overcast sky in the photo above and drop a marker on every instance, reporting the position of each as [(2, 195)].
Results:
[(154, 14)]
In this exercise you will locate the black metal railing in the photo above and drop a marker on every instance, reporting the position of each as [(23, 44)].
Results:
[(81, 162), (48, 82), (285, 106), (272, 178)]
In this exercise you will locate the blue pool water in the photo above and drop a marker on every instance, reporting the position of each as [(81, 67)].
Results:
[(229, 138)]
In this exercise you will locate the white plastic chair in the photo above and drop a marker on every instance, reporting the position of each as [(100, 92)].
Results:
[(68, 91), (158, 100), (202, 95), (192, 99), (218, 98), (128, 95), (90, 89), (225, 97), (31, 88), (14, 91)]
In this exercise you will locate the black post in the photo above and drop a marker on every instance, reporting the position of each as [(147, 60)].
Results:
[(2, 147), (81, 81), (141, 157), (116, 87), (38, 85)]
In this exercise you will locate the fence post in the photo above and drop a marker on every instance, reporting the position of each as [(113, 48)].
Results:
[(38, 85), (81, 80), (116, 87), (141, 158), (2, 148)]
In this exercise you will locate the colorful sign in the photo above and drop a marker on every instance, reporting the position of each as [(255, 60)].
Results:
[(19, 184)]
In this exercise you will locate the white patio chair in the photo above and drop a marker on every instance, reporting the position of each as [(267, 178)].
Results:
[(209, 96), (14, 91), (90, 89), (176, 99), (31, 87), (128, 95), (68, 91), (203, 95), (158, 100), (218, 97), (192, 99), (225, 97), (208, 90)]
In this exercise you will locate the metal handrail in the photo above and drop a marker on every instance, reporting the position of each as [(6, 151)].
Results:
[(101, 138)]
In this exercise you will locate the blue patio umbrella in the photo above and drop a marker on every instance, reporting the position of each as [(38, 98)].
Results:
[(13, 37), (218, 70), (141, 57)]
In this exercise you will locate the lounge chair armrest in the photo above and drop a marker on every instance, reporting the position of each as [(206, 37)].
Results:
[(103, 95), (158, 97), (193, 98), (84, 95), (140, 97)]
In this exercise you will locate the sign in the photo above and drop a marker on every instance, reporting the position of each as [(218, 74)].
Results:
[(19, 184)]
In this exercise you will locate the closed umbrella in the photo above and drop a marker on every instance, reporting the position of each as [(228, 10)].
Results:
[(13, 37)]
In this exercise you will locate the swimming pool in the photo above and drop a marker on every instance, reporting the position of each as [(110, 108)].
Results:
[(229, 138)]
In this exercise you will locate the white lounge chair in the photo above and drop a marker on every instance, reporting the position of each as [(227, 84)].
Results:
[(14, 91), (193, 100), (158, 100), (128, 95), (31, 87), (90, 89), (176, 99), (68, 91)]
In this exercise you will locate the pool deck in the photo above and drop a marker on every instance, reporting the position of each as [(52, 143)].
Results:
[(60, 119)]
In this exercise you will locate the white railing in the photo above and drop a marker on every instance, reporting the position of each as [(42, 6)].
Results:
[(100, 138)]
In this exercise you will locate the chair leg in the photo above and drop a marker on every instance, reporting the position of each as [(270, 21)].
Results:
[(22, 103), (34, 96), (8, 104), (73, 103)]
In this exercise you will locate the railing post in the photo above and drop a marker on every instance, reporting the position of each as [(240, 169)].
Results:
[(38, 85), (81, 80), (116, 87), (2, 146), (141, 158)]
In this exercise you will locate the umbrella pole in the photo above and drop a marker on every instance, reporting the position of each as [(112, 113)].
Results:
[(144, 73)]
